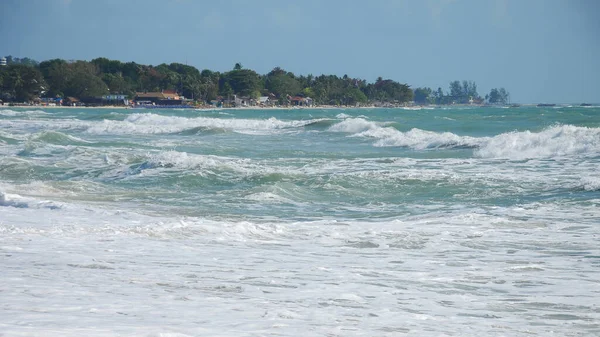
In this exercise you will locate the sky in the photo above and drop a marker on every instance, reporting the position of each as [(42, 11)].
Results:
[(541, 51)]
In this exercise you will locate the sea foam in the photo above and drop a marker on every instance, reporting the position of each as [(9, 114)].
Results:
[(556, 141), (149, 123), (13, 113), (15, 200), (387, 136)]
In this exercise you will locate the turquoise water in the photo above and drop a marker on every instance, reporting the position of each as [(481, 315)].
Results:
[(442, 221)]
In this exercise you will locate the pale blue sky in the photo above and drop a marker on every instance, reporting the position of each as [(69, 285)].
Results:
[(539, 50)]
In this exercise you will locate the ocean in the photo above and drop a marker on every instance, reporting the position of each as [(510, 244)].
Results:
[(449, 221)]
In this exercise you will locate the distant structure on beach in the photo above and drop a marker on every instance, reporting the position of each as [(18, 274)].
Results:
[(162, 99)]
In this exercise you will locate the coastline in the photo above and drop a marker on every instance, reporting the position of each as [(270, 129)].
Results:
[(327, 107)]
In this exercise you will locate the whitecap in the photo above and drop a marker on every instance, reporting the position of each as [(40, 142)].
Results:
[(556, 141), (149, 123)]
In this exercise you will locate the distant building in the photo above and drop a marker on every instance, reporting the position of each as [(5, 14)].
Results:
[(264, 100), (51, 101), (3, 61), (115, 100), (165, 97), (71, 101), (301, 101), (243, 101)]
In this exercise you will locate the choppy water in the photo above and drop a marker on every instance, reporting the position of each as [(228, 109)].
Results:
[(383, 222)]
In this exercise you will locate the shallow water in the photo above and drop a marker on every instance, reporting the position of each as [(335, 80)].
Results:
[(341, 222)]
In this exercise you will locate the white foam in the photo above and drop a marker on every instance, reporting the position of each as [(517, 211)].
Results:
[(14, 113), (590, 183), (415, 138), (556, 141), (353, 125), (17, 201), (201, 164), (57, 137), (148, 123), (268, 197), (85, 266), (420, 139)]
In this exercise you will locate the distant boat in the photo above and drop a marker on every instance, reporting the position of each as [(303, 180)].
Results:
[(545, 104), (585, 104), (514, 105)]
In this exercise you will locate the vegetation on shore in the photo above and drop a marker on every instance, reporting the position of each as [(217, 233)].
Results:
[(25, 80)]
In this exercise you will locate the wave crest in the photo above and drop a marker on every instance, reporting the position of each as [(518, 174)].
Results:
[(148, 123), (14, 113), (557, 141), (416, 138), (590, 184), (58, 138), (17, 201)]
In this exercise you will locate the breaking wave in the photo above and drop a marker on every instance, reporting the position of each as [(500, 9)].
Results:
[(589, 184), (157, 124), (416, 138), (13, 113), (17, 201), (58, 138), (556, 141)]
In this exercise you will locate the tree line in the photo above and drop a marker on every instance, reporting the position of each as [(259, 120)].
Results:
[(464, 92), (23, 80)]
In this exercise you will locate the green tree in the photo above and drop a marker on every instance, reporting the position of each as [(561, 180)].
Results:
[(470, 89), (498, 96), (227, 90), (83, 81), (242, 81), (21, 83), (353, 96), (463, 93), (309, 92), (389, 91), (57, 74), (423, 95), (116, 84), (210, 84), (22, 61), (438, 96), (282, 83), (108, 66), (456, 92)]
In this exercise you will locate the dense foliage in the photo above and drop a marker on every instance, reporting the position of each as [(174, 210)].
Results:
[(498, 96), (20, 83), (464, 92), (24, 79)]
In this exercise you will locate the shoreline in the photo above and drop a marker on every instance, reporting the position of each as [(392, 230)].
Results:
[(323, 107)]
